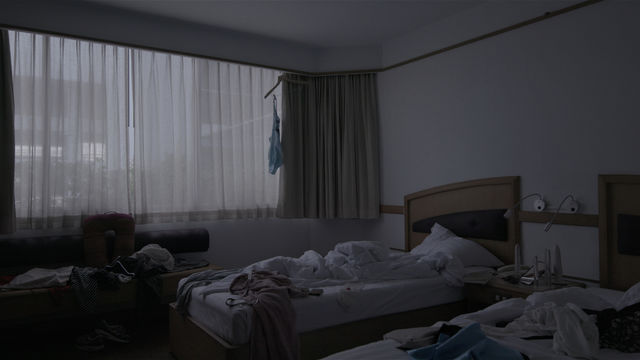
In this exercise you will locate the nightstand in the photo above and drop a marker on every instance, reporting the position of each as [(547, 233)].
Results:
[(480, 296)]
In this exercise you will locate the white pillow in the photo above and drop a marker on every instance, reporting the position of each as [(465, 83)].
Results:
[(576, 295), (438, 233), (469, 252), (630, 297)]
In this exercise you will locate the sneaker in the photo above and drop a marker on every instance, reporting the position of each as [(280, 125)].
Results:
[(116, 333), (90, 342)]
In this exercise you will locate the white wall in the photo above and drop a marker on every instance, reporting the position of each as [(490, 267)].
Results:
[(556, 102)]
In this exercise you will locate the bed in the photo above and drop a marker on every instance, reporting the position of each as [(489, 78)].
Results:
[(472, 209), (619, 226)]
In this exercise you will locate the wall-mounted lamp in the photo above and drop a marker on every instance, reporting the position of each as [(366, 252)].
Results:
[(539, 204), (572, 208)]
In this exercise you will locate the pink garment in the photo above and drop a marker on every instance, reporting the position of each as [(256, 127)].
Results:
[(273, 335)]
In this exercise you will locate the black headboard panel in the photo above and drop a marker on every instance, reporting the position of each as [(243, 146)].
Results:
[(628, 234), (479, 224)]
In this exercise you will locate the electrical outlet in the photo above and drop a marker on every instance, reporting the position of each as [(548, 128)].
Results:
[(539, 205), (572, 206)]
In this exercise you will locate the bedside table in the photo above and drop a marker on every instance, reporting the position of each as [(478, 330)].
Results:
[(480, 296)]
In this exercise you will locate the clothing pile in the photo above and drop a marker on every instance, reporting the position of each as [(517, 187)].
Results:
[(145, 264), (269, 293), (273, 335)]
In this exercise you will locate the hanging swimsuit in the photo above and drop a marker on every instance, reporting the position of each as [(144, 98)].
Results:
[(275, 149)]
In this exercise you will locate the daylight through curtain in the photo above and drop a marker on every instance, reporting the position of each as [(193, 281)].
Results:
[(70, 129), (201, 139)]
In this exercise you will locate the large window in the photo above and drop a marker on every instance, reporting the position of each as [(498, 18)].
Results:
[(162, 136)]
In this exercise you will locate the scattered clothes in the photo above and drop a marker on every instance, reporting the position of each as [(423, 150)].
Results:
[(85, 287), (199, 279), (113, 332), (40, 278), (574, 332), (620, 330), (86, 282), (470, 343), (90, 342), (273, 334), (141, 266), (157, 254), (117, 267), (94, 340)]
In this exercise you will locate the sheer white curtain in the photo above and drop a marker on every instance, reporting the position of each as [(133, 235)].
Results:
[(201, 139), (70, 129)]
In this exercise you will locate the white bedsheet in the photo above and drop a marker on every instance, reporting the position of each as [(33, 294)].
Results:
[(337, 305), (507, 309), (361, 279)]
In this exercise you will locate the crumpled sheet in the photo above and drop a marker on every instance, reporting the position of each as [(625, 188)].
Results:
[(361, 261), (574, 333), (40, 278)]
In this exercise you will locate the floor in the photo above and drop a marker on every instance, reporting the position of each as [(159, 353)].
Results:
[(149, 332)]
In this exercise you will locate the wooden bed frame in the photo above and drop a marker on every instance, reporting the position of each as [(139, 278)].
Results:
[(617, 194), (483, 194), (189, 340)]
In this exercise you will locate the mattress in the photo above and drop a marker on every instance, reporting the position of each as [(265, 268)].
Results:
[(337, 305)]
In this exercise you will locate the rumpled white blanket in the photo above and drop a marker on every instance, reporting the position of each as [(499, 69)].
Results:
[(40, 278), (574, 333), (361, 261), (352, 262)]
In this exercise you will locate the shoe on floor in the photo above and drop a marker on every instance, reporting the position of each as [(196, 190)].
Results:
[(90, 342), (117, 333)]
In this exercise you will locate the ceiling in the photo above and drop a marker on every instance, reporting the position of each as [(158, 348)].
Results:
[(317, 23)]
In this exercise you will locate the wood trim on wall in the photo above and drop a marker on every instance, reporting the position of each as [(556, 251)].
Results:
[(561, 219), (545, 16), (392, 209)]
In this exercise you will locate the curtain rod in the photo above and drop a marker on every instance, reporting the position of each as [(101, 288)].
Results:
[(545, 16), (150, 48)]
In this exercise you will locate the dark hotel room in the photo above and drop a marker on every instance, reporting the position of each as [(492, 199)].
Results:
[(310, 179)]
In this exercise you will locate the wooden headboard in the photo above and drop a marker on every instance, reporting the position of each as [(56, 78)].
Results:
[(619, 207), (468, 197)]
